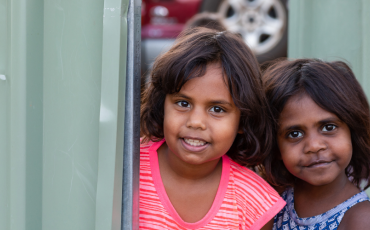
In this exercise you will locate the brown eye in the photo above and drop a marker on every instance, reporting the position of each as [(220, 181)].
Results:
[(329, 127), (295, 134), (217, 109), (183, 104)]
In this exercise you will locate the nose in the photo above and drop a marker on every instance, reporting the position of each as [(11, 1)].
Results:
[(197, 119), (314, 143)]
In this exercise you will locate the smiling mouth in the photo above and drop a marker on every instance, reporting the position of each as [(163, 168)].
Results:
[(194, 142), (318, 163)]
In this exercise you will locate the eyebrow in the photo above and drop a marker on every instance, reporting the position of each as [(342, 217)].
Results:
[(292, 127), (331, 119), (222, 102), (181, 95)]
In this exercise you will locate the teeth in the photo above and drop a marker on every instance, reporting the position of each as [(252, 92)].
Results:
[(193, 142)]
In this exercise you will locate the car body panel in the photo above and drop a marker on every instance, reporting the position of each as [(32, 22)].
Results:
[(166, 18)]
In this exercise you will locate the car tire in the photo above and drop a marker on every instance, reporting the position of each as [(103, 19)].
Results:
[(269, 46)]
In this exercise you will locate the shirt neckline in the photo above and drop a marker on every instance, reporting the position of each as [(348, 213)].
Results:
[(308, 221), (158, 184)]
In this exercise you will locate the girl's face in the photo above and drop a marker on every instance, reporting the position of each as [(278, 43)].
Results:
[(201, 121), (315, 145)]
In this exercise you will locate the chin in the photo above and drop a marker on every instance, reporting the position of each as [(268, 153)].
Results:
[(194, 160), (321, 182)]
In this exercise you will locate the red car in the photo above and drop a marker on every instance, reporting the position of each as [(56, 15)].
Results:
[(262, 24)]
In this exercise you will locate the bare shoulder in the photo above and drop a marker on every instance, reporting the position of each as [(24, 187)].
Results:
[(357, 217)]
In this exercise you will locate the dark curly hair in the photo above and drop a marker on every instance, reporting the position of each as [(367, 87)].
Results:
[(188, 59), (333, 87)]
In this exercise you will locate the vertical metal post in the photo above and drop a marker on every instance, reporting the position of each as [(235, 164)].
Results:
[(131, 154)]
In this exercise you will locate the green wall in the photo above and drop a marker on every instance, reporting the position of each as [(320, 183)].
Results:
[(332, 30), (61, 113)]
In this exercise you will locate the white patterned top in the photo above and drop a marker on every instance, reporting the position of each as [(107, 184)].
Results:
[(287, 218)]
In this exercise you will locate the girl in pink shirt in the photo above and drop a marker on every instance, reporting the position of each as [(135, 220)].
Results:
[(203, 119)]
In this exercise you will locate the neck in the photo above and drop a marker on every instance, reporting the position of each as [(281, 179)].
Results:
[(170, 163), (323, 192), (311, 200)]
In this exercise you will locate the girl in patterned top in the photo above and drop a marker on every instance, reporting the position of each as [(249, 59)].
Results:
[(322, 149), (204, 118)]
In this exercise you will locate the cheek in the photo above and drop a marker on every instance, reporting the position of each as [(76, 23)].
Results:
[(226, 130), (289, 163), (289, 156), (345, 145), (282, 147), (170, 124), (347, 153), (342, 147)]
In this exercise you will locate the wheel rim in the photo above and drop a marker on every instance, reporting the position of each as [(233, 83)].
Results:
[(261, 23)]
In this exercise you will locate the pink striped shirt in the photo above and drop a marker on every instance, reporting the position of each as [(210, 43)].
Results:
[(243, 200)]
